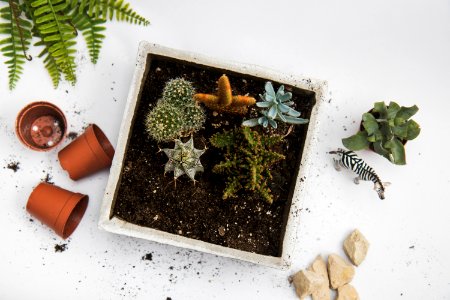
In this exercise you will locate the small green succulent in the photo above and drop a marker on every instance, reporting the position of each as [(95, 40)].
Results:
[(183, 159), (177, 114), (248, 158), (277, 107), (386, 129)]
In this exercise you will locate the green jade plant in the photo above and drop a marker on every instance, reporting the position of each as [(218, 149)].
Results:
[(183, 159), (176, 114), (386, 130), (55, 25), (248, 157), (277, 106)]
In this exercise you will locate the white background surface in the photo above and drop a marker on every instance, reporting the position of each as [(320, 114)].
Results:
[(368, 51)]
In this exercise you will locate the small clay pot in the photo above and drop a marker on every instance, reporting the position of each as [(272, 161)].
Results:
[(41, 126), (59, 209), (88, 154)]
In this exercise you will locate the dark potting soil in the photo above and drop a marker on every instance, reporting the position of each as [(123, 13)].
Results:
[(60, 247), (14, 165), (148, 198)]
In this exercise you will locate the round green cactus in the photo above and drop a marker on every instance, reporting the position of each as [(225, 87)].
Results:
[(176, 114), (178, 92), (193, 117), (164, 122)]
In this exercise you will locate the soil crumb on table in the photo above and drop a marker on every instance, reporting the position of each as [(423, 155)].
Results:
[(14, 165), (60, 247), (48, 179), (72, 135), (147, 256)]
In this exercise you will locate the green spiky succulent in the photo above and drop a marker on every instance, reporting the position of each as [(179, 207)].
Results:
[(248, 157), (183, 159), (386, 129), (178, 92), (176, 114), (55, 24), (277, 106)]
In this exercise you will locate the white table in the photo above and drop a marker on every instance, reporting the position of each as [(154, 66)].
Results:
[(383, 50)]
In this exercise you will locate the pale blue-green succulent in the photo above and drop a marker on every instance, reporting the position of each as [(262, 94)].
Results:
[(184, 159), (277, 106)]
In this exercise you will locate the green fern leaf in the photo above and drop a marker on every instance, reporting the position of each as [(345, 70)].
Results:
[(92, 30), (108, 9), (17, 43), (57, 33)]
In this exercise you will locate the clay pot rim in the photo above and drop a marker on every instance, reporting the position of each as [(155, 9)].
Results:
[(102, 144), (71, 212), (25, 110)]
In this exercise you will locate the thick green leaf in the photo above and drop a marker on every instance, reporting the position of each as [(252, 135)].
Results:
[(392, 110), (380, 107), (370, 123), (356, 142), (401, 131), (378, 148), (413, 130), (397, 151), (405, 113)]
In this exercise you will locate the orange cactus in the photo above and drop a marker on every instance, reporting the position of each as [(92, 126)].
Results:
[(224, 101)]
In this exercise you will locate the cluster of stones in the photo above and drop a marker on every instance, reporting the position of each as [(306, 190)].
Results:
[(318, 278)]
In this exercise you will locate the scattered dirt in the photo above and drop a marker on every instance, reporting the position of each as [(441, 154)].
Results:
[(60, 247), (148, 256), (14, 165), (48, 178), (72, 135), (148, 198)]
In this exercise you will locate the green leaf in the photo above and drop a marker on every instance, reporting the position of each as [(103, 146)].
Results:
[(413, 130), (401, 131), (92, 30), (392, 110), (397, 151), (380, 107), (370, 123), (17, 42), (405, 113), (378, 148), (356, 142)]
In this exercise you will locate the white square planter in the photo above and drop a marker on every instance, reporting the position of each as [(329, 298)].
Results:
[(113, 224)]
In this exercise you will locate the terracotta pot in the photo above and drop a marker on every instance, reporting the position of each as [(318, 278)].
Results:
[(59, 209), (41, 126), (89, 153)]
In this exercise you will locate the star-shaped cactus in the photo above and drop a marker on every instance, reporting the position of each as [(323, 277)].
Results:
[(184, 159)]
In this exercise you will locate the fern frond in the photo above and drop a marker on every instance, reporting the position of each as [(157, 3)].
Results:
[(50, 64), (17, 43), (92, 30), (108, 9), (57, 33)]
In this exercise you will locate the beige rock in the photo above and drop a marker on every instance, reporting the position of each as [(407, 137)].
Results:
[(347, 292), (339, 271), (319, 267), (306, 282), (356, 246)]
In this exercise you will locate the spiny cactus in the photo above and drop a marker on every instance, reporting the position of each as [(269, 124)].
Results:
[(224, 101), (183, 159), (277, 107), (176, 114), (164, 122), (178, 92), (248, 157), (386, 129)]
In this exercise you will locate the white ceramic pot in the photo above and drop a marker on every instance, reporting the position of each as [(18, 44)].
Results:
[(113, 224)]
